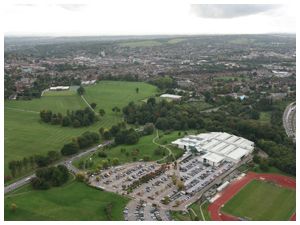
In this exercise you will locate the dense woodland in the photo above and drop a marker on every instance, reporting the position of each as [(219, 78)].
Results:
[(237, 118)]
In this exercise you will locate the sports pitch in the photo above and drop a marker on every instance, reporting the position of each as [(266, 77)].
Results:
[(262, 201)]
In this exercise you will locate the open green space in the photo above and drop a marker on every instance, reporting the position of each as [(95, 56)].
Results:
[(26, 135), (261, 200), (144, 43), (145, 147), (175, 40), (73, 201)]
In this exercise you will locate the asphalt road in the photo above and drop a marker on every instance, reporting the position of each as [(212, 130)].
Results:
[(66, 162)]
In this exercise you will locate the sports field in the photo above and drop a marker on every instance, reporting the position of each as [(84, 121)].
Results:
[(25, 135), (261, 200), (73, 201)]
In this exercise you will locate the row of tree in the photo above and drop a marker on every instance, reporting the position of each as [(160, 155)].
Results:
[(77, 118), (21, 166), (120, 134), (87, 139), (50, 176)]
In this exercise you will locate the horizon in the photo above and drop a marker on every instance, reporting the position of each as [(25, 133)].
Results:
[(146, 35)]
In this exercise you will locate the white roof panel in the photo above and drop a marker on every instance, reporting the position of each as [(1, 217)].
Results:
[(213, 157), (238, 153)]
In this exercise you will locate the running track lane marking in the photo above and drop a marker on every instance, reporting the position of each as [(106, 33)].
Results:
[(236, 186)]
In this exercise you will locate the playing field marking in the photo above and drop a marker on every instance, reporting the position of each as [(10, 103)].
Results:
[(203, 217), (22, 110)]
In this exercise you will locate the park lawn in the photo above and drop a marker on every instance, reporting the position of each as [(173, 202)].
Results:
[(145, 145), (73, 201), (143, 43), (54, 103), (260, 200), (168, 137), (108, 94), (26, 135), (265, 117), (175, 40)]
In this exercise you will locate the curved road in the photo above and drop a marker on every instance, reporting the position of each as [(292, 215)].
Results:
[(66, 162)]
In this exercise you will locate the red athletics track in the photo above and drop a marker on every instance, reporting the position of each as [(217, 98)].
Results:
[(235, 187)]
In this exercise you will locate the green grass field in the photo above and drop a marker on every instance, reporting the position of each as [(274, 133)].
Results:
[(175, 40), (145, 145), (73, 201), (144, 43), (262, 201), (25, 135)]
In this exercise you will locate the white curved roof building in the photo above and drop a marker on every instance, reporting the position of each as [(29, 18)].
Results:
[(217, 146)]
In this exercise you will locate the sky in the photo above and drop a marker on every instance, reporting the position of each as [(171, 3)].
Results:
[(129, 17)]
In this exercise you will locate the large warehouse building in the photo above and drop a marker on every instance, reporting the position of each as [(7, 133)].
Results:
[(215, 147)]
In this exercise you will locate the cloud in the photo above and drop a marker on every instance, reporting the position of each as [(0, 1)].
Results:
[(72, 7), (219, 11)]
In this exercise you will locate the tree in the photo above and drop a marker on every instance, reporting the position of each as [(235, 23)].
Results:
[(148, 128), (115, 161), (180, 185), (80, 177), (151, 101), (107, 135), (12, 165), (105, 164), (146, 158), (108, 211), (41, 160), (166, 200), (80, 90), (102, 112), (102, 154), (53, 156), (101, 131), (66, 121), (93, 105), (13, 207), (69, 149)]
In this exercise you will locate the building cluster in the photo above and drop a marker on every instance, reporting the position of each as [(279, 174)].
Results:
[(217, 147)]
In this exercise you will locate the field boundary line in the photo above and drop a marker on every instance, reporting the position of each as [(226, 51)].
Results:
[(22, 110), (83, 98)]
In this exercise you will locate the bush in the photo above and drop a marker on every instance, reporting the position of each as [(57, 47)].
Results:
[(102, 154)]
